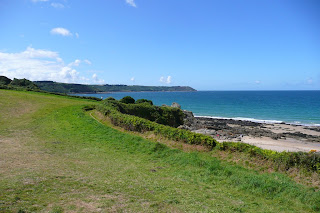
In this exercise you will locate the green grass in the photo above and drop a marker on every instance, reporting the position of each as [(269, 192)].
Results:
[(54, 157)]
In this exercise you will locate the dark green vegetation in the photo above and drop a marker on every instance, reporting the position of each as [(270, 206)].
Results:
[(26, 85), (51, 86), (140, 117), (55, 157), (145, 109), (4, 80), (127, 100), (139, 101), (7, 83)]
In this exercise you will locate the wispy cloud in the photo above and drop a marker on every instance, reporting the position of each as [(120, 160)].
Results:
[(38, 64), (61, 31), (132, 79), (166, 80), (131, 3), (57, 5), (76, 63), (87, 61), (96, 79), (39, 0)]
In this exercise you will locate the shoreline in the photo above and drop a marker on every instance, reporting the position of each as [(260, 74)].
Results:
[(278, 136), (259, 120)]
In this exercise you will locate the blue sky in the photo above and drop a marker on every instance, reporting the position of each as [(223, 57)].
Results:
[(206, 44)]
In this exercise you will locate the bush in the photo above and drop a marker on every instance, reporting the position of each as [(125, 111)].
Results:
[(162, 115), (4, 80), (110, 99), (127, 100), (133, 123), (139, 101), (23, 83)]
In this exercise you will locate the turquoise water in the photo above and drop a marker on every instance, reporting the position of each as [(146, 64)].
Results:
[(296, 107)]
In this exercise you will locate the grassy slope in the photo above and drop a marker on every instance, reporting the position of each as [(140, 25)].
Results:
[(54, 157)]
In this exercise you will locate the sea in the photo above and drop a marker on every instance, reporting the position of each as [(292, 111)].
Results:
[(292, 107)]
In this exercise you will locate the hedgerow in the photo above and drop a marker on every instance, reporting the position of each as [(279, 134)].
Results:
[(163, 115), (283, 160), (134, 123)]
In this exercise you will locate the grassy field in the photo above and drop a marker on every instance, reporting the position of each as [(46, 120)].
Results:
[(54, 157)]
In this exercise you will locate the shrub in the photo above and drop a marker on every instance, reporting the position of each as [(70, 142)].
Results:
[(162, 115), (134, 123), (110, 99), (127, 100), (139, 101), (4, 80), (23, 83)]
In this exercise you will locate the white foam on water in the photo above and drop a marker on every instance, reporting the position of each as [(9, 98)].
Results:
[(256, 120)]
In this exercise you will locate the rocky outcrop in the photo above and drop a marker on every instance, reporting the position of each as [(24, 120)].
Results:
[(234, 130), (225, 129), (188, 121), (176, 105)]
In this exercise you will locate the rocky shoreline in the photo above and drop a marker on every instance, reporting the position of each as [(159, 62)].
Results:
[(253, 132)]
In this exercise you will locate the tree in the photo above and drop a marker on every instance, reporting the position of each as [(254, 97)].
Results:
[(139, 101), (127, 100), (4, 80)]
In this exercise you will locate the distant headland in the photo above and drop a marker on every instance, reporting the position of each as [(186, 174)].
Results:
[(67, 88), (52, 86)]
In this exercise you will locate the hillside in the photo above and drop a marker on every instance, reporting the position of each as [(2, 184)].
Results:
[(56, 157), (7, 83), (51, 86)]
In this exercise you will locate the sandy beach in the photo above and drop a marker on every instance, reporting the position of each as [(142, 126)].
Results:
[(277, 137), (293, 144)]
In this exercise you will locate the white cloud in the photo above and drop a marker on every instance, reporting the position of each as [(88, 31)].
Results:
[(131, 3), (166, 80), (37, 64), (33, 53), (132, 79), (169, 80), (57, 5), (61, 31), (76, 63), (257, 82), (87, 61), (96, 79)]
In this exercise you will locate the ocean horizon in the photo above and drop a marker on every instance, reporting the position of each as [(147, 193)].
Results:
[(299, 107)]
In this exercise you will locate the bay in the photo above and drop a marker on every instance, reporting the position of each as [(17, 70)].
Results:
[(294, 107)]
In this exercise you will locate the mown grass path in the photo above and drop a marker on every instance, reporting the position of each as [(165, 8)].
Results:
[(55, 157)]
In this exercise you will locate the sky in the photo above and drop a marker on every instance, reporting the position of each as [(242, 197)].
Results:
[(205, 44)]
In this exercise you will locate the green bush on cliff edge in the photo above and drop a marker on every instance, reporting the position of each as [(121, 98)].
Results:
[(146, 117)]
